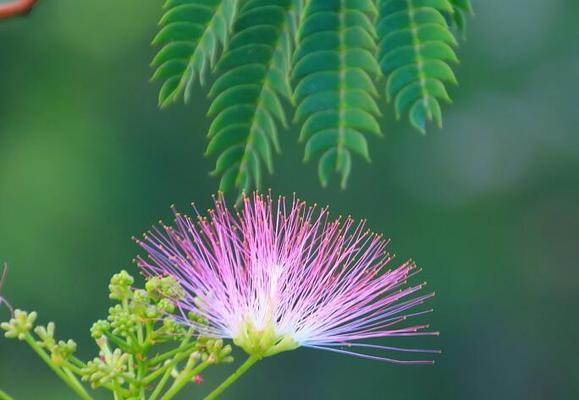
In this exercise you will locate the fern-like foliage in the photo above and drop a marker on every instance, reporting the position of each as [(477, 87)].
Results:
[(246, 97), (191, 34), (334, 71), (462, 9), (324, 57), (414, 52)]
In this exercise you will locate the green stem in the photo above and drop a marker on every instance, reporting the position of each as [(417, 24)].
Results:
[(70, 380), (183, 379), (162, 357), (233, 377), (161, 384), (5, 396), (119, 342), (124, 393), (140, 374), (154, 375), (73, 368), (178, 357), (77, 362), (178, 354)]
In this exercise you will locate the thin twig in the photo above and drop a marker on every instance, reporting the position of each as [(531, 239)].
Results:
[(2, 280)]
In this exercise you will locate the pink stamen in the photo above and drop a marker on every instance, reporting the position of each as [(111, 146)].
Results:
[(326, 283)]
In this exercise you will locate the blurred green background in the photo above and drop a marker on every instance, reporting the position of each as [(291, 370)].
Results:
[(488, 206)]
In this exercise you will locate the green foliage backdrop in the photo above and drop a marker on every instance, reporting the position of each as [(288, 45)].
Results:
[(487, 206)]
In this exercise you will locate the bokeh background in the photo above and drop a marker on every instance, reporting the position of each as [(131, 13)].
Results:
[(488, 206)]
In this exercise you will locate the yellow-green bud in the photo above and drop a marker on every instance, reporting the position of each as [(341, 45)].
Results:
[(46, 335), (99, 328), (19, 325), (120, 286)]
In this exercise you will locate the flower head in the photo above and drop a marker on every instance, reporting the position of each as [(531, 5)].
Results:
[(273, 278)]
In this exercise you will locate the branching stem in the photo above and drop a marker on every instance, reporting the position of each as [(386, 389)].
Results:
[(70, 380)]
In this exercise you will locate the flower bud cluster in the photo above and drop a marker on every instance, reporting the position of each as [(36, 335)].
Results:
[(138, 308), (166, 287), (60, 351), (140, 342), (215, 351), (19, 325), (110, 367), (120, 286)]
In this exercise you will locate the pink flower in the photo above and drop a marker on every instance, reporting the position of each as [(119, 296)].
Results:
[(273, 278)]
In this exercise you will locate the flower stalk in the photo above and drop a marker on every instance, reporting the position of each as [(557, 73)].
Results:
[(251, 360), (69, 379), (184, 378)]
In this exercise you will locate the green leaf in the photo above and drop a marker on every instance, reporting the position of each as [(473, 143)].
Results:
[(334, 64), (425, 109), (229, 157), (416, 90), (351, 78), (407, 74), (232, 135), (415, 50), (323, 57), (326, 166), (246, 101), (191, 33), (462, 9), (357, 119)]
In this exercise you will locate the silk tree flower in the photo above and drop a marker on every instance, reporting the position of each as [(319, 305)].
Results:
[(274, 278)]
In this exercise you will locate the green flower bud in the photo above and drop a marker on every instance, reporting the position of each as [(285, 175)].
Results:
[(108, 368), (99, 328), (225, 351), (120, 286), (46, 335), (166, 306), (227, 360), (165, 287), (172, 328), (140, 303), (122, 321), (197, 318), (171, 289), (152, 284), (141, 296), (152, 312), (202, 342), (62, 351), (20, 325)]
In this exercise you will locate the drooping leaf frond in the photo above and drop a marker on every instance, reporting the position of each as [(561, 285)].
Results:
[(334, 65), (415, 48), (462, 8), (323, 57), (191, 34), (246, 97)]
